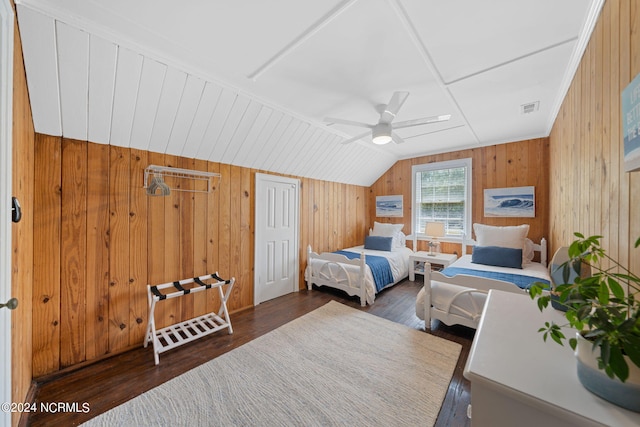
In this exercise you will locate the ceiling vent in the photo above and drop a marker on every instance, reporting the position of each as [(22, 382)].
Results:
[(530, 107)]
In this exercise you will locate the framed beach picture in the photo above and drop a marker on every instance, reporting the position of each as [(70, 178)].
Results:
[(510, 202), (631, 125), (389, 206)]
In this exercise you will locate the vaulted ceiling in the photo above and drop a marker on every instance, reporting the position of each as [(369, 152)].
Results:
[(250, 82)]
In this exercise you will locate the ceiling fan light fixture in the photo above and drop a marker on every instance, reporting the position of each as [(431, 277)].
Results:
[(382, 134), (381, 139)]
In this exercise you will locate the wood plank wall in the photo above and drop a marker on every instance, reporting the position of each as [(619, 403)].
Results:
[(22, 232), (101, 240), (590, 192), (514, 164)]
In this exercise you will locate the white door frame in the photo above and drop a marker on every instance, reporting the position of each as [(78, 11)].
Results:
[(6, 158), (258, 253)]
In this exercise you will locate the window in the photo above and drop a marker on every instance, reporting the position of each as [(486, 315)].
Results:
[(442, 193)]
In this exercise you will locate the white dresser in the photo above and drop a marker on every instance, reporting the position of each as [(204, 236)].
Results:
[(519, 380)]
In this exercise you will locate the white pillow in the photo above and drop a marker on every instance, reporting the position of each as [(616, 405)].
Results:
[(399, 240), (527, 252), (511, 236), (386, 230), (390, 230)]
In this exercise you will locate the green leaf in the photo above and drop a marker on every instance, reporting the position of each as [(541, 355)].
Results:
[(616, 289), (557, 336), (603, 294), (632, 348), (573, 343), (618, 364)]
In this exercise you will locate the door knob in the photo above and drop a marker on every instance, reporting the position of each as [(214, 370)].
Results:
[(11, 304)]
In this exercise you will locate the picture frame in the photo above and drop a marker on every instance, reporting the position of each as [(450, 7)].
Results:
[(389, 206), (510, 202), (631, 125)]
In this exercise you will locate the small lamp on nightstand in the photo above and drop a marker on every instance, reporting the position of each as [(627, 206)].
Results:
[(434, 230)]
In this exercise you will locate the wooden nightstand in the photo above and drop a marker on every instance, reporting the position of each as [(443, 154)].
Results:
[(417, 260)]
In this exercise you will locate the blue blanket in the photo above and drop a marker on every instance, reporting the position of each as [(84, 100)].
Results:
[(523, 282), (380, 268)]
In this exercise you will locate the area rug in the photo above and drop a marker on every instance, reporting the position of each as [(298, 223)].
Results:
[(335, 366)]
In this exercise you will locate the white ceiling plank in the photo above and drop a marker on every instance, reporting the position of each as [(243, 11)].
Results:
[(273, 159), (125, 95), (300, 156), (356, 160), (102, 71), (151, 82), (216, 124), (184, 118), (243, 156), (73, 66), (278, 158), (40, 58), (207, 106), (312, 157), (330, 145), (326, 155), (296, 128), (293, 156), (238, 109), (172, 89), (247, 123), (272, 141), (262, 133)]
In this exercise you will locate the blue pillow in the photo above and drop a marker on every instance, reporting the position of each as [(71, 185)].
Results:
[(378, 243), (497, 256)]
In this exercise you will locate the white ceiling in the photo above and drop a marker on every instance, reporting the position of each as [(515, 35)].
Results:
[(249, 82)]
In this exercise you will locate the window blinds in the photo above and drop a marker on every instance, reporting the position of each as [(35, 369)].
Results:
[(440, 196)]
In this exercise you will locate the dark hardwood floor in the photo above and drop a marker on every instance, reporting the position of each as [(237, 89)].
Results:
[(110, 382)]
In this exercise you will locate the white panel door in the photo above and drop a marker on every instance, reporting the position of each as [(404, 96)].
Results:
[(277, 224)]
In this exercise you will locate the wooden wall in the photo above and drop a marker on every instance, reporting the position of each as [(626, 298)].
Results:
[(101, 240), (590, 192), (22, 232), (515, 164)]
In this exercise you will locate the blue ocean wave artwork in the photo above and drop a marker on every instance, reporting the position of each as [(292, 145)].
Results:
[(516, 205), (388, 206)]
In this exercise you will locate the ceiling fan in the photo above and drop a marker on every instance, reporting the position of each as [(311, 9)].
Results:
[(382, 132)]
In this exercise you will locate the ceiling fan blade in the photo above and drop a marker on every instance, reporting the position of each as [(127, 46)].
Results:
[(355, 138), (396, 138), (392, 108), (423, 121), (347, 122)]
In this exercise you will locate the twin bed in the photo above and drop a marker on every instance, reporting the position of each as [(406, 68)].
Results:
[(502, 259), (364, 270), (456, 295)]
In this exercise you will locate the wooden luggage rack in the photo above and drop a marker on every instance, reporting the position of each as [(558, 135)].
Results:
[(181, 333)]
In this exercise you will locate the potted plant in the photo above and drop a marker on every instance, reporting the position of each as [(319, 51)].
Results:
[(605, 311)]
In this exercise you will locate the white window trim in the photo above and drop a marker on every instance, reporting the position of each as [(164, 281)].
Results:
[(466, 162)]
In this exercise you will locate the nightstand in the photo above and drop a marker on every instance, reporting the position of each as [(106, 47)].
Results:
[(417, 260)]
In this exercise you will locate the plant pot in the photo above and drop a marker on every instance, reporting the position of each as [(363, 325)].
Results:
[(626, 395), (555, 303)]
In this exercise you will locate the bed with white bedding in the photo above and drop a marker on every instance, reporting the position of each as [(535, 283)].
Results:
[(363, 270), (457, 294)]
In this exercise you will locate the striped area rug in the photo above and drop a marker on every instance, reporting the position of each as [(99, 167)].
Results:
[(335, 366)]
